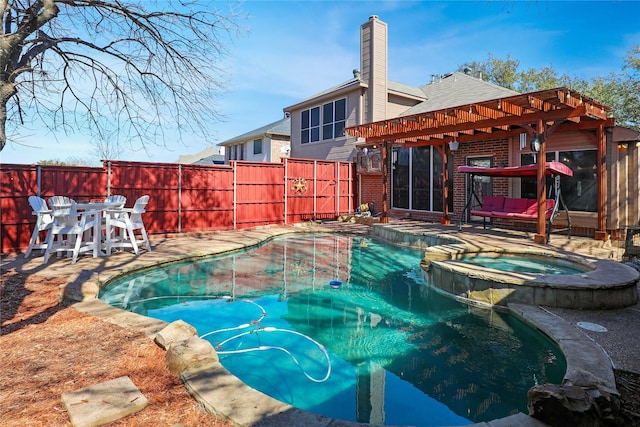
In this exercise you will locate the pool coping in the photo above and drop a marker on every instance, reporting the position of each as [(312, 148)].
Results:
[(223, 394)]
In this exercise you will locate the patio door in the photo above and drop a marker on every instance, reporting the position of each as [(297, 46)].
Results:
[(481, 185)]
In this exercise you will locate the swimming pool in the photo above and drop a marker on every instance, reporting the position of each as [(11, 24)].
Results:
[(398, 353)]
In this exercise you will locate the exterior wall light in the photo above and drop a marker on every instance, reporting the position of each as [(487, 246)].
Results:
[(536, 143)]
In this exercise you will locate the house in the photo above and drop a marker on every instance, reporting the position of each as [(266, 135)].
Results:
[(208, 156), (269, 143), (318, 122), (409, 141)]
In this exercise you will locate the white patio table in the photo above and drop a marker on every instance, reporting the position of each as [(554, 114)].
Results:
[(99, 209)]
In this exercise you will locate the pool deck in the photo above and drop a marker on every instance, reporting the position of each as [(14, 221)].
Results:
[(596, 352)]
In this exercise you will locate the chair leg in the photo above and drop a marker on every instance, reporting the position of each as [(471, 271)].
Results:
[(132, 237), (34, 236), (47, 251), (76, 247), (146, 238)]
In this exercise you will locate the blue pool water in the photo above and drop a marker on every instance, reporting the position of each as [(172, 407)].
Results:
[(381, 347)]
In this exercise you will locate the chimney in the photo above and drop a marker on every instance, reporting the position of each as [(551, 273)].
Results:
[(374, 66)]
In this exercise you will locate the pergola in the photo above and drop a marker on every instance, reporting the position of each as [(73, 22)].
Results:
[(539, 114)]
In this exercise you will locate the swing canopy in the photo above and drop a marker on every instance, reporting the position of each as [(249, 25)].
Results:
[(551, 169)]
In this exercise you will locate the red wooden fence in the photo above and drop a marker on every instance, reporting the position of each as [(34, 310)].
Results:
[(184, 198)]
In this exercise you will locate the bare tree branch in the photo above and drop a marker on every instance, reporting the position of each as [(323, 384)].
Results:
[(116, 70)]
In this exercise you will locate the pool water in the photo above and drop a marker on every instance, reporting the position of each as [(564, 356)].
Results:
[(523, 264), (381, 347)]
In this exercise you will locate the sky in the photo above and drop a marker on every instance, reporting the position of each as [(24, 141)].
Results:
[(292, 50)]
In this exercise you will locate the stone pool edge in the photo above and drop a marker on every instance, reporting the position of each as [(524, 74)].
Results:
[(226, 396)]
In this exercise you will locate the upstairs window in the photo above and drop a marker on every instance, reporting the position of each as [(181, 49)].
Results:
[(257, 146), (332, 115), (310, 125), (333, 119)]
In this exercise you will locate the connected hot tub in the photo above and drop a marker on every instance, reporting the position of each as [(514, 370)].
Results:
[(498, 276)]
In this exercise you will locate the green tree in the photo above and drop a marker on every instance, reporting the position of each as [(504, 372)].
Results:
[(136, 66)]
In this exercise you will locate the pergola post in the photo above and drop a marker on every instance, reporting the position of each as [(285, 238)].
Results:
[(445, 220), (384, 217), (541, 235), (601, 231)]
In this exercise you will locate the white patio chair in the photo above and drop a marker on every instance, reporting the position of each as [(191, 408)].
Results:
[(116, 201), (128, 220), (68, 222), (44, 221)]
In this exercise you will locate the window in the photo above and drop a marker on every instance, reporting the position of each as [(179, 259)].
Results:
[(332, 115), (310, 125), (417, 179), (580, 191), (257, 146)]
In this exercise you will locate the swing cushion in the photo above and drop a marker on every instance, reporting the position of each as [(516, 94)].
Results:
[(512, 208), (490, 204)]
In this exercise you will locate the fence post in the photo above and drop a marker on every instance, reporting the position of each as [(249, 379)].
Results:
[(286, 181), (108, 178), (39, 180), (315, 187), (179, 198), (338, 189), (235, 195)]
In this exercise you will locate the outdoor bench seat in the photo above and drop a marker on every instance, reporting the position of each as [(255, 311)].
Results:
[(512, 208)]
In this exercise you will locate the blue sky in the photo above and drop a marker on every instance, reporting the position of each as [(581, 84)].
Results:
[(294, 49)]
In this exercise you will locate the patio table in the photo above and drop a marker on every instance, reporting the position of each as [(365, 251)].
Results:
[(99, 209)]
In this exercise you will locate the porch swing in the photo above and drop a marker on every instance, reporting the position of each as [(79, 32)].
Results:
[(517, 209)]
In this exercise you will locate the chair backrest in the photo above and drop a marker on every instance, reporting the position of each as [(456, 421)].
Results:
[(63, 210), (60, 201), (140, 204), (138, 209), (38, 204), (116, 201)]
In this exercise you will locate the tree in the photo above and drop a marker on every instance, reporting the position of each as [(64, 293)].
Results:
[(102, 65)]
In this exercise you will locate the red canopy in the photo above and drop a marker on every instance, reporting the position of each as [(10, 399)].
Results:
[(551, 168)]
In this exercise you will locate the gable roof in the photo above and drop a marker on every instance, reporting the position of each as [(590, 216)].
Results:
[(280, 127), (347, 86), (457, 89)]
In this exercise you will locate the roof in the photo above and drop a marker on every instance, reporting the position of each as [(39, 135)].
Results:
[(280, 127), (457, 89), (348, 85), (399, 88), (402, 88), (195, 158)]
